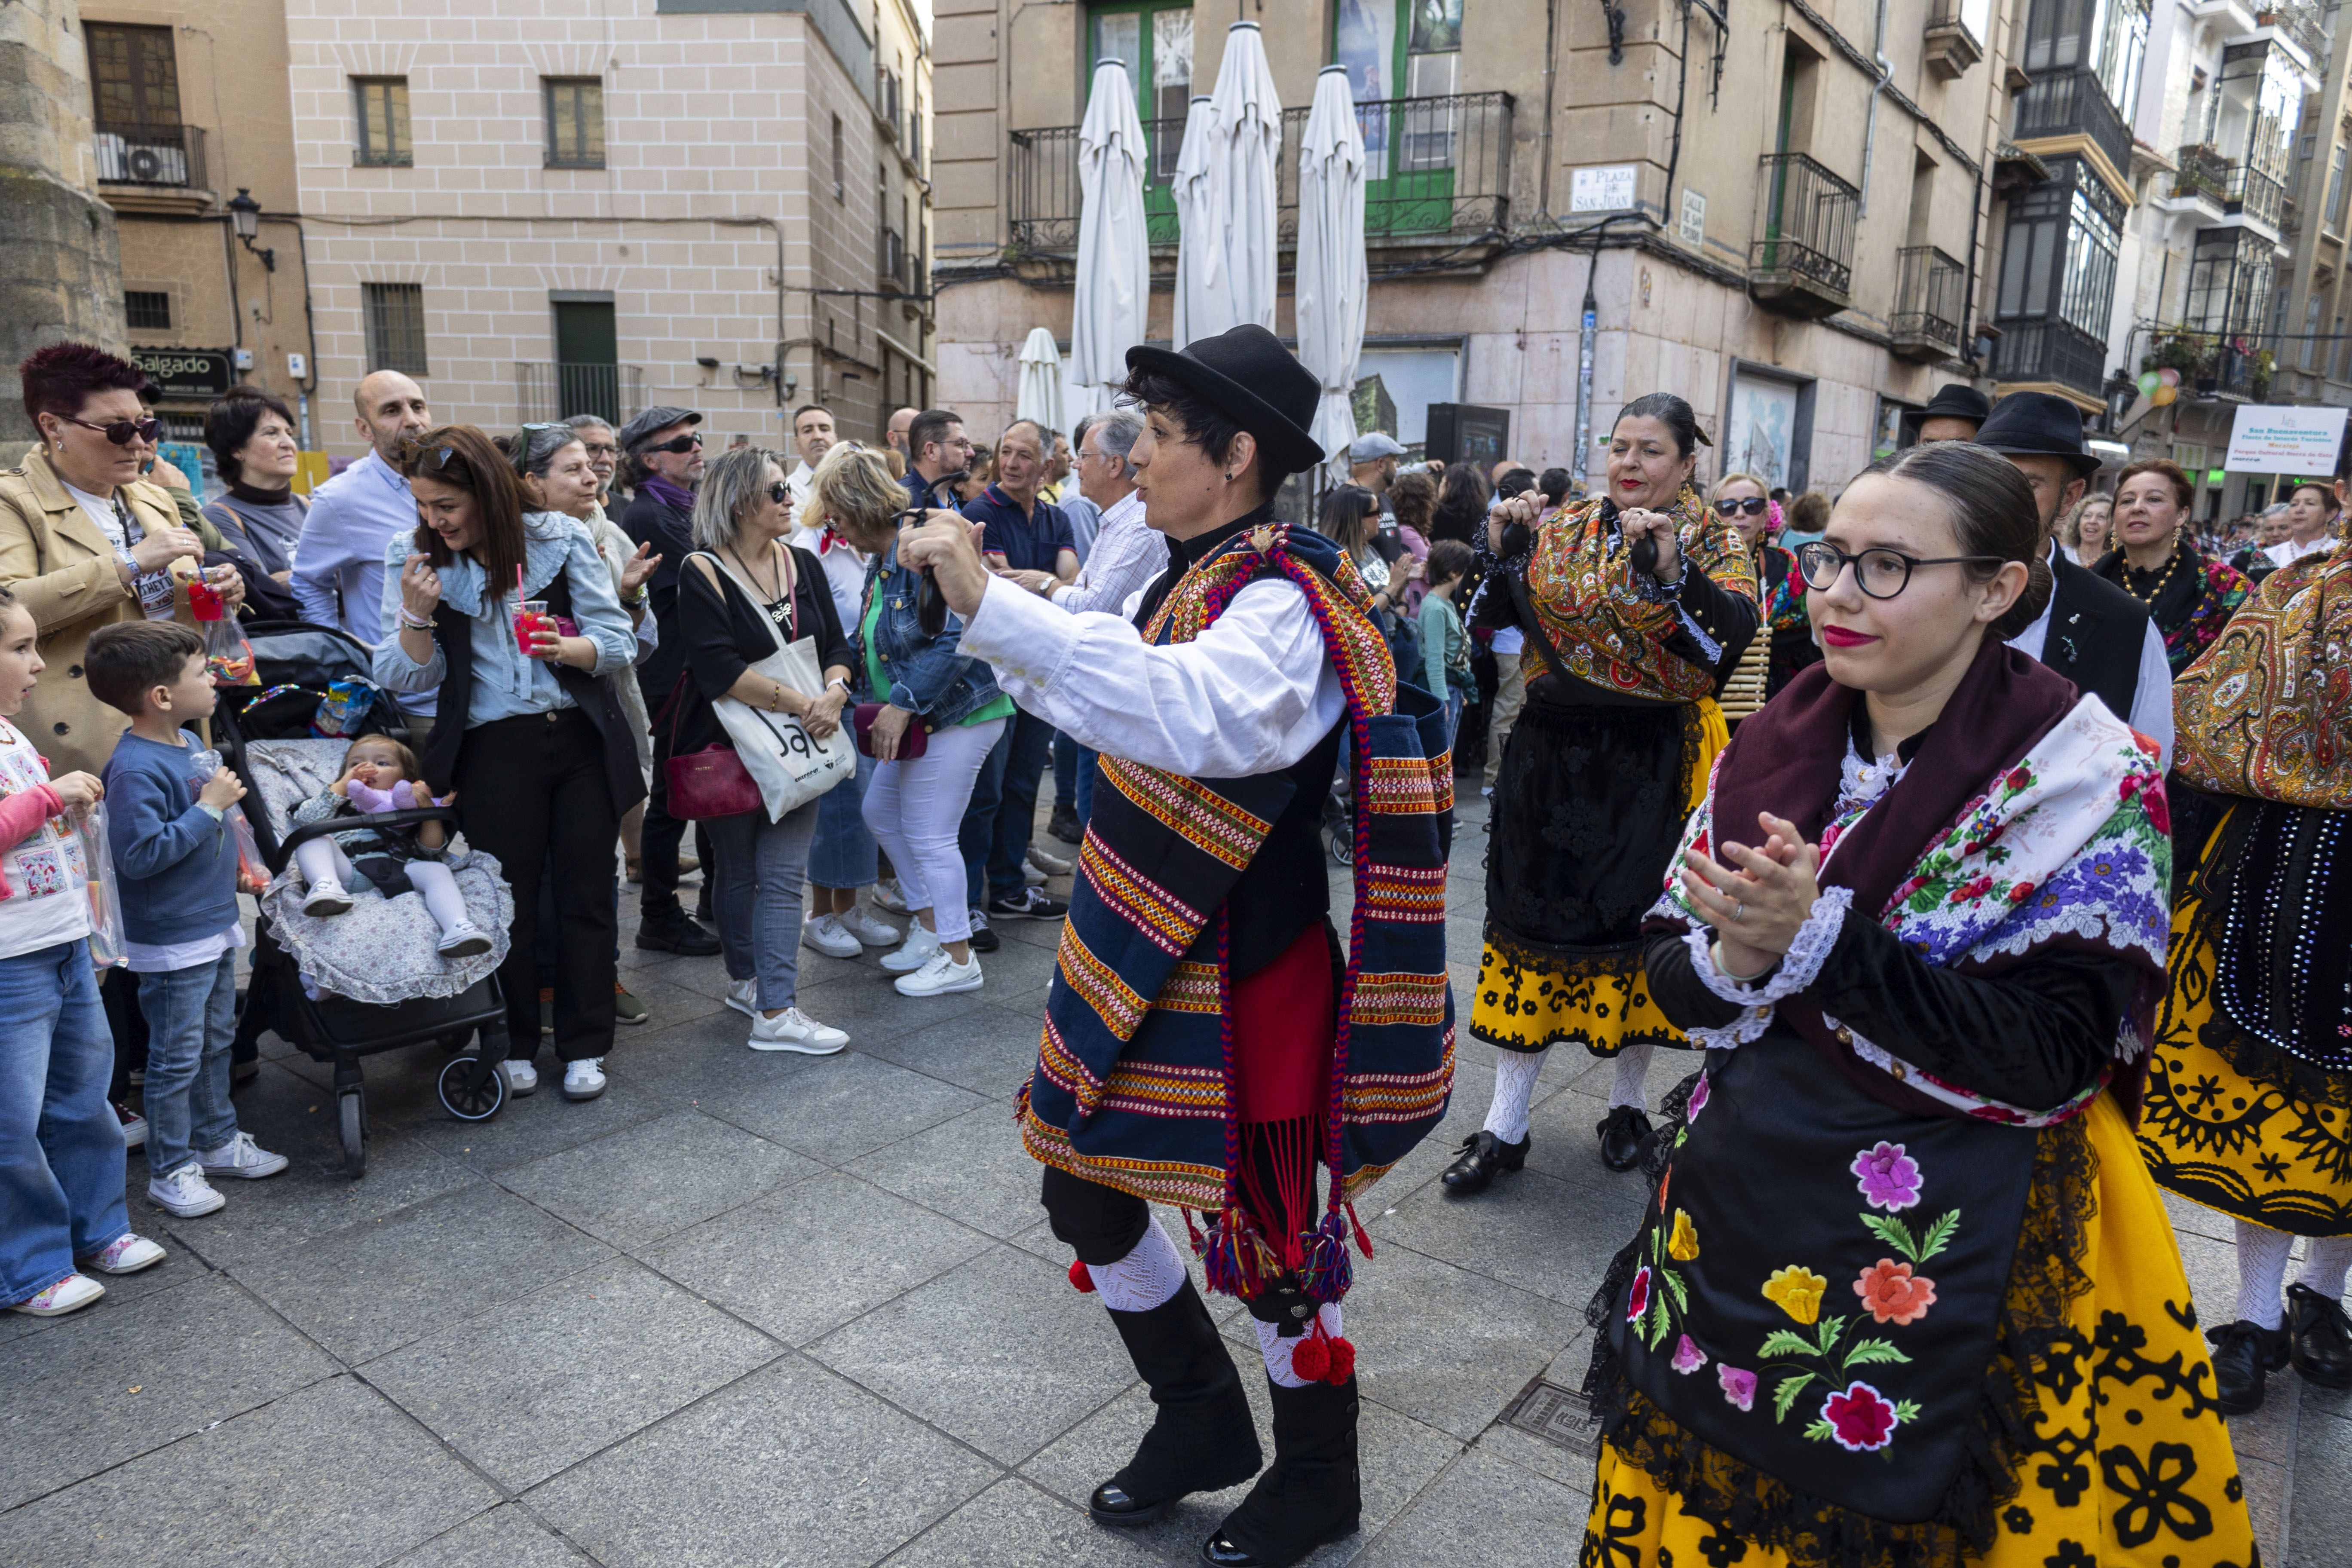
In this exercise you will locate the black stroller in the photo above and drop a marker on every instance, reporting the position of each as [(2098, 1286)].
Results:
[(263, 733)]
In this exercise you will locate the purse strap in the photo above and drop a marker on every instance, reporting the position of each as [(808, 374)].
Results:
[(750, 591)]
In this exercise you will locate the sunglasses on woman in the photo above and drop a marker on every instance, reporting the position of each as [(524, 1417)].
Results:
[(781, 493), (1753, 506), (676, 444), (123, 431)]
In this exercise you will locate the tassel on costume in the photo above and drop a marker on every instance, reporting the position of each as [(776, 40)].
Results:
[(1326, 1271)]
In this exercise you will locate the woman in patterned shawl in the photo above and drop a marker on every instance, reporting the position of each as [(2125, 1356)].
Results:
[(1637, 606), (1904, 1296), (1741, 500), (2250, 1090), (2189, 595)]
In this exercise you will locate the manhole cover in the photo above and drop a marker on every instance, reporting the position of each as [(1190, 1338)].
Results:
[(1556, 1414)]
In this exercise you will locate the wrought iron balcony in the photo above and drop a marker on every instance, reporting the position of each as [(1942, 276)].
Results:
[(2203, 171), (1802, 262), (546, 392), (2071, 103), (2258, 195), (1435, 168), (2302, 24), (1952, 46), (171, 156), (1927, 303), (2052, 350), (893, 262)]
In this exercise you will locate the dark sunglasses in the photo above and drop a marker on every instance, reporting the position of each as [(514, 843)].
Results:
[(676, 444), (123, 431), (781, 493), (1753, 506)]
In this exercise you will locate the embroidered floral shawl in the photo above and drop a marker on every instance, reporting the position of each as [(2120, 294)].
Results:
[(1603, 630), (2266, 710), (1784, 589), (2191, 609)]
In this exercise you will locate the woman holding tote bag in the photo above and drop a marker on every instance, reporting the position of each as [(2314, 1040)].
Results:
[(743, 596)]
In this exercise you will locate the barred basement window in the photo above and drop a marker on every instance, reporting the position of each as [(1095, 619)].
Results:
[(147, 310), (382, 106), (575, 122), (395, 327)]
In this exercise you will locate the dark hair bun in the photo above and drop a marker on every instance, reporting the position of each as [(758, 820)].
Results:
[(1670, 411)]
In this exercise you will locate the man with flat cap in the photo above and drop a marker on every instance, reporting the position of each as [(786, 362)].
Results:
[(2093, 633), (1954, 413), (1205, 1044)]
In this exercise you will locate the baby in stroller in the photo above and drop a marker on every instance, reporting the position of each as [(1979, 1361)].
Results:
[(381, 774)]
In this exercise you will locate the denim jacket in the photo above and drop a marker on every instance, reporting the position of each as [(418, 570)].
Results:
[(927, 675)]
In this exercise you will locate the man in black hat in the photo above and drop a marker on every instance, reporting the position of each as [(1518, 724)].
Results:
[(662, 452), (2093, 633), (1954, 413), (1218, 706)]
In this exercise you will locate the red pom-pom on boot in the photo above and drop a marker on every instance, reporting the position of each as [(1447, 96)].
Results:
[(1343, 1362), (1310, 1358), (1081, 1280)]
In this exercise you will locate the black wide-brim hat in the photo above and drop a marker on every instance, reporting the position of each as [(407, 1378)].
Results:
[(2037, 424), (1957, 400), (1254, 380)]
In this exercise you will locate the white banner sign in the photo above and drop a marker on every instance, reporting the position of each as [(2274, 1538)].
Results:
[(2270, 438)]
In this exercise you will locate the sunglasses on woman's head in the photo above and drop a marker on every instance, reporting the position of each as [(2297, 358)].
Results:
[(123, 431), (676, 444), (1753, 506)]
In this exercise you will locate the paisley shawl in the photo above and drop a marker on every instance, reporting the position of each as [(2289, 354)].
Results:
[(2266, 710)]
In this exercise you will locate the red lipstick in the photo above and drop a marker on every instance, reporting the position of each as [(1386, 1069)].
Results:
[(1839, 636)]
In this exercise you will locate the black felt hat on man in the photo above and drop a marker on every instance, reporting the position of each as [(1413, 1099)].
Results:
[(2037, 424), (1254, 380), (1957, 400)]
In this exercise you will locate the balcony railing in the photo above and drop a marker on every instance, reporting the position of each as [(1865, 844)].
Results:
[(2069, 103), (1434, 168), (165, 155), (2302, 24), (545, 392), (1927, 303), (1803, 259), (2203, 171), (890, 264), (2258, 195), (2049, 349)]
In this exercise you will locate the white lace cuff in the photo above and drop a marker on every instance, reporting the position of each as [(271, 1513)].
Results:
[(1800, 966)]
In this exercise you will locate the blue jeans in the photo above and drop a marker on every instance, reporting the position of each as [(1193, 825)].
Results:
[(976, 834), (757, 899), (61, 1161), (1017, 813), (843, 855), (1065, 773), (190, 1014), (1084, 793)]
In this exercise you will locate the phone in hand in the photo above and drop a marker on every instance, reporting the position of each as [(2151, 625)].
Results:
[(930, 604)]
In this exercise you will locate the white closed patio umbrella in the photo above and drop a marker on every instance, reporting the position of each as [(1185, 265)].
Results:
[(1243, 169), (1040, 395), (1114, 270), (1331, 285), (1200, 253)]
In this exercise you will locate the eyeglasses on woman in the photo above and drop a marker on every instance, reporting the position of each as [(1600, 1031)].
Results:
[(1879, 572)]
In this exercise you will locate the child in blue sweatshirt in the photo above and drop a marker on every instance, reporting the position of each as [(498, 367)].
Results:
[(176, 864)]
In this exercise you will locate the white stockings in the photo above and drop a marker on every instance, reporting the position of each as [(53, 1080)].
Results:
[(1146, 1278), (2322, 1266), (1632, 1067), (2262, 1270), (1514, 1085), (1277, 1350)]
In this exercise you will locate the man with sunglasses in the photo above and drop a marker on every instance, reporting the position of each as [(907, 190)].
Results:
[(665, 452)]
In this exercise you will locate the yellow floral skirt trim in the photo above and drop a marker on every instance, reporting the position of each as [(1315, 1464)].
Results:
[(2252, 1150), (2131, 1466), (1530, 1001)]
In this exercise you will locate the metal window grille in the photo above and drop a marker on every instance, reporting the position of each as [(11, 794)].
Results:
[(575, 122), (395, 327), (147, 309), (382, 106)]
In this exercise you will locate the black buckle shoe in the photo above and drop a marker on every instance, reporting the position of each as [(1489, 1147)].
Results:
[(673, 932), (1483, 1158), (1623, 1133), (2243, 1357), (2322, 1351)]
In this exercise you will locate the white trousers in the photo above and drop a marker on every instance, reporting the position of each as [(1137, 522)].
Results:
[(914, 809)]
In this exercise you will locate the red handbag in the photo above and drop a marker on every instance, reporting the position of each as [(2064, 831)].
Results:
[(711, 782), (911, 744)]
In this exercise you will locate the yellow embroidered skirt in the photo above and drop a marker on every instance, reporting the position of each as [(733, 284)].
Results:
[(2131, 1466), (2250, 1147), (1587, 808)]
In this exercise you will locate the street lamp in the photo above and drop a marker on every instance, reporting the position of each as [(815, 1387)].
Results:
[(244, 215)]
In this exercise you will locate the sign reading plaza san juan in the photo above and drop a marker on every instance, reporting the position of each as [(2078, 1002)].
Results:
[(188, 372), (2272, 438)]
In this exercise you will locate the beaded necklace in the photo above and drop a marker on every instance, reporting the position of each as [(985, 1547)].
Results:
[(2164, 577)]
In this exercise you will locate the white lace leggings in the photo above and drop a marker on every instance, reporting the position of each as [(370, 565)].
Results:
[(915, 807), (323, 860)]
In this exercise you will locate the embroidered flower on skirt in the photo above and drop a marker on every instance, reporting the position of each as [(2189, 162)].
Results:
[(1889, 1177), (1861, 1419), (1688, 1358), (1892, 1294), (1737, 1383), (1795, 1290)]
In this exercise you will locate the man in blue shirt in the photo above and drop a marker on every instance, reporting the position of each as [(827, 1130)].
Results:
[(1029, 541), (937, 451), (339, 560)]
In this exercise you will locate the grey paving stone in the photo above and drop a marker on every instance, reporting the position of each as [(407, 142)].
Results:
[(2319, 1534), (505, 1537), (849, 1104), (1512, 1232), (1014, 1525), (106, 1387), (2266, 1486), (972, 1169), (667, 1004), (802, 1262), (648, 1180), (180, 1268), (990, 1052), (546, 1123), (1515, 1516), (1529, 1452), (2268, 1434), (1000, 1353), (546, 1380), (790, 1466), (705, 1062), (371, 1484), (400, 1277)]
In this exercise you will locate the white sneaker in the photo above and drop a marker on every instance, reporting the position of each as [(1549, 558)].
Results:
[(327, 897), (824, 934), (867, 929), (1031, 874), (522, 1078), (465, 940), (920, 948), (184, 1194), (583, 1080), (887, 896), (794, 1030), (743, 996), (1052, 865), (70, 1294), (241, 1156), (126, 1254), (941, 976)]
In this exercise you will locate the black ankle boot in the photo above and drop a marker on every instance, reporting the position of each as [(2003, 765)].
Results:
[(1312, 1492), (1203, 1439), (1623, 1133), (2323, 1338), (2243, 1356), (1483, 1158)]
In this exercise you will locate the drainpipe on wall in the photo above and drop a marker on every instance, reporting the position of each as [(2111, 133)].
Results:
[(1588, 324), (1870, 122)]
